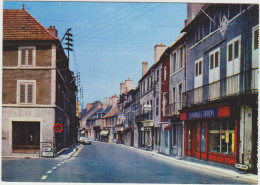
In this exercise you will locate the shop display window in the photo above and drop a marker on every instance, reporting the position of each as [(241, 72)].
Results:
[(197, 138), (148, 138), (189, 136), (203, 138), (221, 137)]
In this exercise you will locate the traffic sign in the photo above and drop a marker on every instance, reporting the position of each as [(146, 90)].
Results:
[(58, 128)]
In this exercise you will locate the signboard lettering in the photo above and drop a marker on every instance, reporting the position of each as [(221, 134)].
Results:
[(206, 113)]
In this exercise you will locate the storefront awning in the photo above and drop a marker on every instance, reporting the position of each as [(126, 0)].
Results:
[(104, 132)]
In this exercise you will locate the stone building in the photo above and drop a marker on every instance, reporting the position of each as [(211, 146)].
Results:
[(38, 89)]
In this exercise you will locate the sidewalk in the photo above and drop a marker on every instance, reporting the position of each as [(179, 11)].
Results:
[(198, 164), (67, 153)]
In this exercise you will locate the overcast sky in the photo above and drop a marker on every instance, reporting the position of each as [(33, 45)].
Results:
[(111, 40)]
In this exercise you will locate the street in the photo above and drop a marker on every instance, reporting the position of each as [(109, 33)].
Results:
[(108, 163)]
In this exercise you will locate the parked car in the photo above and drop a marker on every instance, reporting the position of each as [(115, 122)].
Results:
[(87, 141), (81, 139)]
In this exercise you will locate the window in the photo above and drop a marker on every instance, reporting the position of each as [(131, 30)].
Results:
[(173, 59), (203, 138), (157, 105), (26, 91), (148, 83), (165, 73), (26, 56), (173, 95), (199, 32), (256, 38), (198, 68), (180, 97), (158, 75), (234, 49), (181, 57), (221, 137)]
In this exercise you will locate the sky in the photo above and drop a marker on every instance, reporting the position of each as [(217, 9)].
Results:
[(111, 39)]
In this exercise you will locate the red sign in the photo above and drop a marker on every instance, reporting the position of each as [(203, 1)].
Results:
[(165, 127), (58, 128)]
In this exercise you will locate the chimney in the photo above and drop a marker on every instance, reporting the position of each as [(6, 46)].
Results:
[(53, 31), (128, 85), (144, 68), (89, 106), (114, 101), (185, 22), (110, 101), (158, 51), (105, 102), (122, 88), (100, 105)]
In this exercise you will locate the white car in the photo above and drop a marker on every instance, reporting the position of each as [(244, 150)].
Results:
[(81, 139), (86, 141)]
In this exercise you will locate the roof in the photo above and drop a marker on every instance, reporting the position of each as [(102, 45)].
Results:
[(20, 25), (112, 112)]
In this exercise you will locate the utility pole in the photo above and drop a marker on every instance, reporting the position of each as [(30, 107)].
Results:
[(69, 44)]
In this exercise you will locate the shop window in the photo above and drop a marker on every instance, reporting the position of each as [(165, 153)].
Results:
[(221, 137), (203, 138), (166, 139), (197, 138), (189, 137), (148, 138)]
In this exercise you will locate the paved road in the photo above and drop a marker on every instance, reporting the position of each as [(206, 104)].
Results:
[(108, 163)]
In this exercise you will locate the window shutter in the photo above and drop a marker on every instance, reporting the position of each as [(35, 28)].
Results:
[(29, 57), (22, 93), (30, 93), (23, 57)]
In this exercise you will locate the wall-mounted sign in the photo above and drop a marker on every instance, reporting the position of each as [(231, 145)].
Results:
[(47, 154), (58, 127), (206, 113)]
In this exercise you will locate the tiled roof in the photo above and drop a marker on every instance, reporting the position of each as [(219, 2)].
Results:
[(20, 25), (112, 112)]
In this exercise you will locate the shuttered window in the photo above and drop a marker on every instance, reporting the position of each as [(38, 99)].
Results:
[(27, 56), (26, 91)]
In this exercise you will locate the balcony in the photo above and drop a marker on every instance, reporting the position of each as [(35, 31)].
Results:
[(173, 109), (142, 117), (226, 87)]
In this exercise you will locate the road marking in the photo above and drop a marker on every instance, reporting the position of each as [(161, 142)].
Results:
[(44, 177), (49, 171), (58, 164), (62, 162), (54, 167)]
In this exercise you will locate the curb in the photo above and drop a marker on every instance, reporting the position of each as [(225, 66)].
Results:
[(76, 149), (252, 178)]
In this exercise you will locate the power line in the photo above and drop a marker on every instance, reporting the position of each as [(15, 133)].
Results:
[(82, 41)]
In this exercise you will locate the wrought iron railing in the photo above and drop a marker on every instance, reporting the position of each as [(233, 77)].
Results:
[(142, 117), (241, 83), (173, 109)]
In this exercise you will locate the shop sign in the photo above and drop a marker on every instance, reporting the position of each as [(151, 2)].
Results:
[(147, 128), (47, 154), (206, 113), (241, 166)]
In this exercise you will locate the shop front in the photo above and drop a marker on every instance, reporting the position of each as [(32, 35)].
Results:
[(211, 133), (104, 135), (148, 134)]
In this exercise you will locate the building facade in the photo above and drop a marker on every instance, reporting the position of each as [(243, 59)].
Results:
[(220, 102), (36, 94)]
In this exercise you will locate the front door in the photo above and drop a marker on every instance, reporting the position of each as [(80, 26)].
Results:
[(26, 136)]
